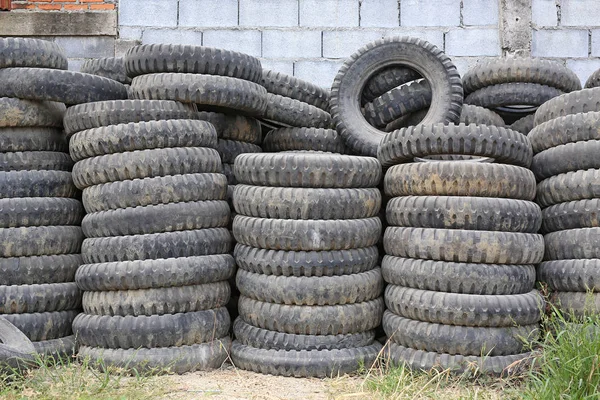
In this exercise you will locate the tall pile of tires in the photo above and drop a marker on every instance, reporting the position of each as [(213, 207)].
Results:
[(565, 141), (40, 213), (460, 247), (310, 286)]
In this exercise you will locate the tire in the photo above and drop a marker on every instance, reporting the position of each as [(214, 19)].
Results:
[(570, 275), (581, 101), (523, 125), (57, 349), (148, 274), (593, 80), (39, 298), (141, 136), (155, 58), (469, 213), (169, 330), (36, 184), (566, 158), (67, 87), (141, 164), (288, 111), (573, 244), (460, 179), (501, 144), (398, 102), (228, 171), (39, 270), (312, 139), (312, 320), (488, 247), (179, 360), (157, 245), (314, 263), (572, 186), (386, 80), (108, 67), (233, 127), (155, 191), (16, 350), (310, 170), (252, 336), (306, 235), (114, 112), (471, 114), (22, 52), (32, 139), (458, 340), (465, 309), (577, 304), (35, 160), (571, 215), (563, 130), (302, 364), (515, 69), (39, 211), (44, 325), (208, 90), (311, 291), (230, 149), (425, 58), (305, 204), (40, 241), (298, 89), (462, 278), (509, 94), (27, 113)]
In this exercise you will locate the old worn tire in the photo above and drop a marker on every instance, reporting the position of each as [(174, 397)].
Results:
[(26, 52), (453, 277), (32, 139), (566, 158), (423, 57), (36, 184), (563, 130), (45, 297), (397, 103), (16, 350), (523, 125), (311, 139), (572, 186), (577, 304), (57, 350), (581, 101), (571, 244), (571, 215), (36, 160), (471, 114), (67, 87), (40, 241), (448, 178), (230, 149), (39, 211), (508, 94), (570, 275), (309, 170), (593, 80), (108, 67), (288, 111), (386, 80), (21, 113), (39, 269), (295, 88), (44, 325), (488, 247), (233, 126)]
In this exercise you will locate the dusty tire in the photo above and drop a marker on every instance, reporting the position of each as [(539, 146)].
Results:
[(57, 349), (289, 86), (21, 113), (32, 139), (22, 52), (39, 211), (573, 244), (570, 275), (44, 325), (36, 184), (39, 298), (577, 304), (40, 241), (35, 160), (566, 158), (230, 149), (386, 80), (471, 114), (233, 127), (593, 80), (288, 111), (572, 186), (563, 130), (508, 94), (581, 101), (39, 270), (397, 103), (523, 125), (108, 67), (298, 139), (571, 215)]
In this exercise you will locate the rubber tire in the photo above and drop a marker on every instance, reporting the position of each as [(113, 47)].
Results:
[(577, 304), (40, 241), (230, 149), (55, 350), (463, 278), (570, 275), (32, 139), (298, 139), (39, 270), (509, 94), (572, 186), (593, 80), (26, 52), (566, 158), (298, 89), (108, 67), (309, 170), (22, 113), (36, 184), (397, 103), (581, 101), (16, 350), (386, 80), (425, 58), (233, 127), (39, 211), (35, 160), (288, 111), (571, 215), (562, 130), (39, 298), (471, 114), (573, 244), (44, 325), (523, 125)]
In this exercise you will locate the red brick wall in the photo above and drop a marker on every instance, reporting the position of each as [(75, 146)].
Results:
[(63, 5)]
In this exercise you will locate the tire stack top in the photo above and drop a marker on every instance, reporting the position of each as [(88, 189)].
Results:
[(310, 287), (565, 142), (514, 87), (460, 247)]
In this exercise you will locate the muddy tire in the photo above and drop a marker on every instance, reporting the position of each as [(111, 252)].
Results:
[(39, 211), (572, 186), (571, 215), (570, 275), (39, 270), (22, 52), (35, 160), (44, 325), (39, 298), (573, 244), (40, 241), (36, 184), (32, 139), (22, 113)]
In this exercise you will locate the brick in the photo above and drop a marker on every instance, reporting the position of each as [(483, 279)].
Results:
[(245, 41), (91, 1), (174, 36), (75, 7), (269, 12), (433, 36), (290, 44), (580, 12), (287, 67), (49, 6), (473, 42), (318, 72), (152, 13), (480, 12), (102, 7), (89, 47), (544, 12), (430, 13), (340, 44), (22, 6), (560, 43), (126, 32), (379, 13), (329, 13), (210, 13), (583, 68), (596, 43)]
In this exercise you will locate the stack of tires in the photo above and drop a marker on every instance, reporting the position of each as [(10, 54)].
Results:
[(310, 287), (156, 260), (108, 67), (460, 247), (40, 213), (514, 87), (565, 141)]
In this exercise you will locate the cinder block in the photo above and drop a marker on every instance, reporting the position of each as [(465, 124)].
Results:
[(201, 13), (121, 46), (329, 13), (473, 42), (245, 41), (269, 12), (286, 67), (75, 64), (379, 13), (290, 44), (584, 68), (318, 72), (87, 47), (560, 43), (430, 13), (129, 33), (340, 44), (580, 12), (172, 36), (152, 13), (480, 12), (464, 64), (544, 12), (596, 43), (433, 36)]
